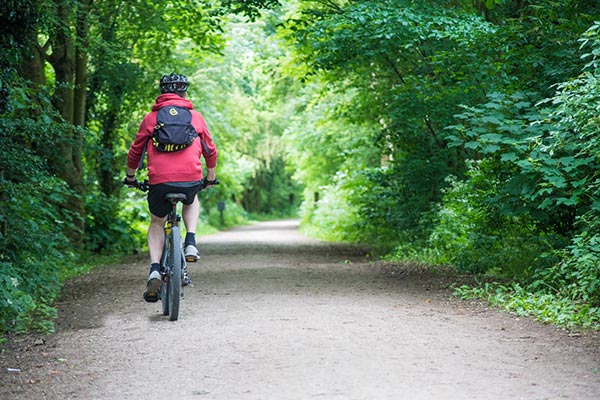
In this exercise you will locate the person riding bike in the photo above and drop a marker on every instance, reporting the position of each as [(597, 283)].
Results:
[(171, 171)]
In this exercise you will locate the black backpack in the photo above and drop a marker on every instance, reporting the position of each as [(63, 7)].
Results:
[(173, 130)]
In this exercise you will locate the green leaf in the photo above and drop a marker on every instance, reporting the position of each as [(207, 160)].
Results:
[(509, 157), (490, 119)]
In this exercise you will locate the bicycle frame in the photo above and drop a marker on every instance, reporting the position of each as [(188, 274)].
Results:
[(172, 261)]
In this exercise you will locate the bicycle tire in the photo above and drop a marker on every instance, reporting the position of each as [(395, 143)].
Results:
[(174, 283), (164, 296), (164, 287)]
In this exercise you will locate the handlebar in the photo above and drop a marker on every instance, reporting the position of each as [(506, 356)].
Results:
[(145, 186), (206, 183)]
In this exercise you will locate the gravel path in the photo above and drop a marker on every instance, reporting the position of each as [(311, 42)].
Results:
[(274, 315)]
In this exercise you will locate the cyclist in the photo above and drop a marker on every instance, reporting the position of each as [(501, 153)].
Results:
[(177, 171)]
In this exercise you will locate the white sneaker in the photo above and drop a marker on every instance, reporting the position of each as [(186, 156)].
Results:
[(151, 294), (191, 253), (154, 275)]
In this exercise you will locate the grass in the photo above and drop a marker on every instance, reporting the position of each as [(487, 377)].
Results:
[(544, 307)]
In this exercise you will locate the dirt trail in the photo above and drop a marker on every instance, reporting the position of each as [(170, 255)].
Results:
[(273, 315)]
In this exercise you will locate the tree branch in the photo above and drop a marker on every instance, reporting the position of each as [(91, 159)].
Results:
[(393, 65), (436, 139), (331, 4)]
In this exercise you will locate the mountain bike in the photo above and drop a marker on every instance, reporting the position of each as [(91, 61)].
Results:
[(172, 263)]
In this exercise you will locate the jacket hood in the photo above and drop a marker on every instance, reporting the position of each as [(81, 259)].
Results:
[(171, 99)]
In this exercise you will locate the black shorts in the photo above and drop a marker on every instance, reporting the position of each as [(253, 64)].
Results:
[(157, 203)]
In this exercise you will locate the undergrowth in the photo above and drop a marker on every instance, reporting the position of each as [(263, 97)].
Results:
[(544, 307)]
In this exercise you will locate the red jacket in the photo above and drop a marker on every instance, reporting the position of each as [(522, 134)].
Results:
[(178, 166)]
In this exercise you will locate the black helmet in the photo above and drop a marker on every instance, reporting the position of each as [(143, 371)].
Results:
[(173, 83)]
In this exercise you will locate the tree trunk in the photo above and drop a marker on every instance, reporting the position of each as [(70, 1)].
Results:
[(67, 162), (81, 62), (107, 167)]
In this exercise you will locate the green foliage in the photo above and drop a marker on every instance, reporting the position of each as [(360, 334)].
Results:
[(31, 248), (484, 126), (528, 208), (398, 73), (109, 224), (409, 68), (271, 190), (21, 309), (577, 276), (475, 234), (568, 173), (359, 207), (233, 215), (250, 8), (544, 307), (539, 42), (464, 132), (488, 222), (122, 49), (567, 162), (26, 189), (236, 94), (332, 217)]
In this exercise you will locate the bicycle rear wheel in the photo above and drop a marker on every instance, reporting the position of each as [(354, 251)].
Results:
[(174, 283), (164, 296), (164, 287)]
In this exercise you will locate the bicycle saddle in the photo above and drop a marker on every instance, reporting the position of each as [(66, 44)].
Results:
[(175, 196)]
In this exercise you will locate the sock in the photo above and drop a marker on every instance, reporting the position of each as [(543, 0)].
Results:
[(190, 238), (154, 267)]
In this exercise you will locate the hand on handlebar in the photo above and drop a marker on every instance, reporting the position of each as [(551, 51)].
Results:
[(206, 183), (132, 184), (143, 186)]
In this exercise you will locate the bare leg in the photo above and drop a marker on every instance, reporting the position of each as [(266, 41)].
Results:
[(156, 238), (190, 215)]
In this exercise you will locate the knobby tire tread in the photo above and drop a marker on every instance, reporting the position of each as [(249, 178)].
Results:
[(175, 255), (164, 288)]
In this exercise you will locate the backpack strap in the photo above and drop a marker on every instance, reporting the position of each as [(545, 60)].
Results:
[(205, 148), (141, 165)]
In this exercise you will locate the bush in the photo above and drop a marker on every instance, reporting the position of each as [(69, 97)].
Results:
[(544, 307), (233, 214), (33, 251), (358, 207), (112, 225), (332, 218), (33, 247), (577, 276), (475, 235), (529, 208)]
